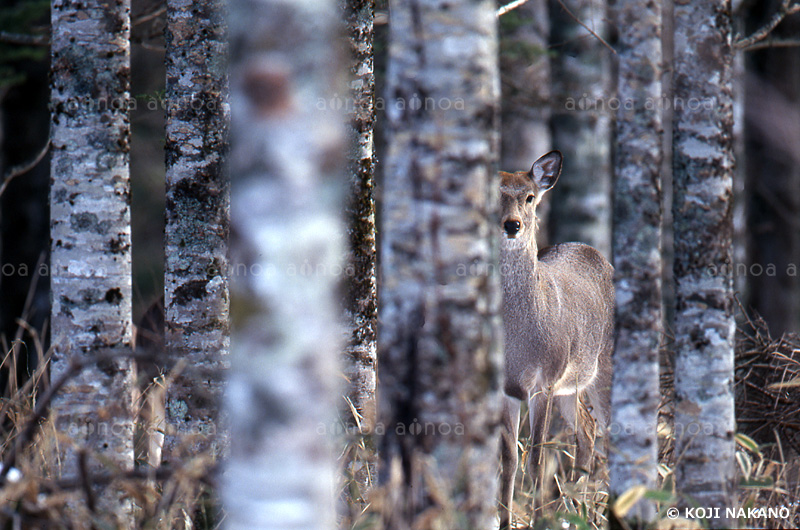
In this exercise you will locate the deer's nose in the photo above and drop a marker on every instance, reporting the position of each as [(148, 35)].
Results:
[(511, 228)]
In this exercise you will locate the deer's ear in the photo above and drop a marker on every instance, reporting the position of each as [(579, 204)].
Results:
[(546, 170)]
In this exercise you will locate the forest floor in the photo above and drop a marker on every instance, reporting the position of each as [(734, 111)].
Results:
[(767, 461)]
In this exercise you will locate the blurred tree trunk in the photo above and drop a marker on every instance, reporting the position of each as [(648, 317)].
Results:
[(704, 322), (440, 367), (197, 221), (287, 154), (525, 85), (637, 254), (361, 301), (581, 124), (91, 250), (773, 168)]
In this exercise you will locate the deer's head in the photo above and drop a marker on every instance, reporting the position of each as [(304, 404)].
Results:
[(521, 192)]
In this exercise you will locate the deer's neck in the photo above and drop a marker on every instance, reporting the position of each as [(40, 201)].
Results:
[(520, 269)]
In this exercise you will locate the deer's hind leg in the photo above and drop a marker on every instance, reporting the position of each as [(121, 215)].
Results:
[(573, 408)]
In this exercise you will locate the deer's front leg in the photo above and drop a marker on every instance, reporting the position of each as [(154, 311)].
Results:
[(509, 458), (539, 409)]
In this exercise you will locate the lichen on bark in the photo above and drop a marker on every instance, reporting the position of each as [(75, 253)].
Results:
[(704, 322), (196, 298)]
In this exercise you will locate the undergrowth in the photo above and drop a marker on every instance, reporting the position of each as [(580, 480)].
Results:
[(35, 495)]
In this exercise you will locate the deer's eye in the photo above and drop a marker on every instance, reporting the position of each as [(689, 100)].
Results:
[(529, 199)]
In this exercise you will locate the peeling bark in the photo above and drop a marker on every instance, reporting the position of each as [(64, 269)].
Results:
[(197, 223), (704, 323), (441, 364), (91, 240), (287, 146), (635, 396)]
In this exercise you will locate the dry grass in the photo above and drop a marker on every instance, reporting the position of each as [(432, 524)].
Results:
[(169, 498)]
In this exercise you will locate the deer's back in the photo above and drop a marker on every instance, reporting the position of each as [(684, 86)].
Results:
[(569, 321)]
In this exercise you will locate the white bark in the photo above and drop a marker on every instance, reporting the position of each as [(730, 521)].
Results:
[(287, 145), (635, 396), (197, 221), (439, 339), (91, 242)]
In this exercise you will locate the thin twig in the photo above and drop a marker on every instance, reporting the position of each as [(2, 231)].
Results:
[(23, 168), (161, 473), (146, 17), (510, 7), (587, 28), (760, 34), (150, 47), (86, 484)]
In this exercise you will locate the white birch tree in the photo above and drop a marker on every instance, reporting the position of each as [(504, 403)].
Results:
[(440, 364), (287, 150), (91, 242), (197, 222), (635, 395), (704, 322)]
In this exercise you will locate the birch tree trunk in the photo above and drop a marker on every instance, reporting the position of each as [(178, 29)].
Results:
[(526, 85), (704, 323), (440, 368), (91, 241), (581, 123), (361, 302), (197, 221), (287, 150), (635, 395)]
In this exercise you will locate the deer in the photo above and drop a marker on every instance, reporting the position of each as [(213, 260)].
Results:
[(558, 313)]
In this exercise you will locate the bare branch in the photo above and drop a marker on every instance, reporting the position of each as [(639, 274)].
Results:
[(23, 168), (785, 10), (510, 7), (782, 43), (587, 28), (24, 39)]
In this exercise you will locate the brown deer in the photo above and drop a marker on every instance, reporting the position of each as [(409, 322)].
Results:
[(558, 311)]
